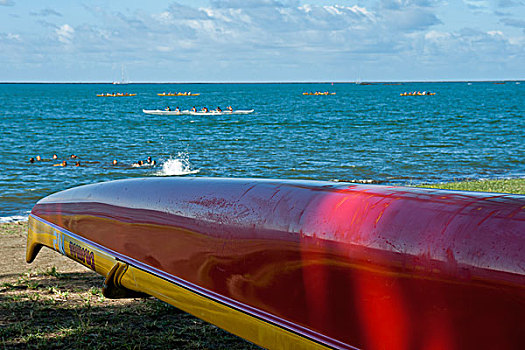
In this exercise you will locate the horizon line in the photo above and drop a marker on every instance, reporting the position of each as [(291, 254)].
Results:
[(268, 82)]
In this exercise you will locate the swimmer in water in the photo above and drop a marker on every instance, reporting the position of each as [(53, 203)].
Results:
[(31, 160), (74, 156), (55, 156), (64, 163), (114, 162), (38, 158), (77, 164)]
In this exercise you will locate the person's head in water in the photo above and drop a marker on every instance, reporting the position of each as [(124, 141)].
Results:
[(55, 156), (114, 162), (38, 158), (148, 160), (31, 160), (64, 163), (77, 164)]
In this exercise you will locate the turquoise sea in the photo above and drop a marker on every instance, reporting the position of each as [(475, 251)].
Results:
[(365, 133)]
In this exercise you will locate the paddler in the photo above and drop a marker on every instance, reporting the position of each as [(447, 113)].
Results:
[(193, 109), (205, 109), (229, 108), (219, 109), (168, 108), (177, 109)]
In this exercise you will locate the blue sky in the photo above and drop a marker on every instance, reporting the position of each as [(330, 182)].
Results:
[(261, 40)]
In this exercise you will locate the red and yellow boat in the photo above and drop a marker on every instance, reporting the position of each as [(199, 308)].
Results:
[(304, 264)]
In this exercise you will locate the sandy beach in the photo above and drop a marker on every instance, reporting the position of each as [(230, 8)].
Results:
[(13, 238)]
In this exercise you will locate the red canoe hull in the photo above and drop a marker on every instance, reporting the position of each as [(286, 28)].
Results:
[(341, 265)]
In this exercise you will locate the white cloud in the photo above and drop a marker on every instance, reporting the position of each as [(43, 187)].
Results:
[(270, 40), (518, 23), (6, 3), (510, 3), (12, 36), (477, 4), (46, 13), (65, 33)]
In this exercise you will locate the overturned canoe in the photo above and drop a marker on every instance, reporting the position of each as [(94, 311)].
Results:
[(303, 264)]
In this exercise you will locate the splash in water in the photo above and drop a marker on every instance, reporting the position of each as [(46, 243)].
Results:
[(177, 166)]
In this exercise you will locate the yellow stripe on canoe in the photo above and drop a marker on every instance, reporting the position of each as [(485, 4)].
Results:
[(129, 278)]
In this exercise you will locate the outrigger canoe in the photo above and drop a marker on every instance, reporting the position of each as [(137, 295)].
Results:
[(178, 94), (187, 112), (417, 94), (305, 264), (116, 95)]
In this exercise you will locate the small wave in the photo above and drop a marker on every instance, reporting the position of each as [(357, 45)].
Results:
[(13, 218), (177, 166)]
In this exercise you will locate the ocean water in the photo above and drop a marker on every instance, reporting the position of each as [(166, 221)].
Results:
[(366, 133)]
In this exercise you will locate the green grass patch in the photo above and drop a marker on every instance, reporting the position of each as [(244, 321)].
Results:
[(18, 228), (515, 186), (49, 310)]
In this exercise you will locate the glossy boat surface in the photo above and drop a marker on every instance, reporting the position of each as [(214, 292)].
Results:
[(304, 264)]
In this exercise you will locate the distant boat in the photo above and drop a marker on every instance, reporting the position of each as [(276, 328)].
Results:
[(319, 93), (123, 79), (188, 112), (418, 93), (178, 94), (117, 94)]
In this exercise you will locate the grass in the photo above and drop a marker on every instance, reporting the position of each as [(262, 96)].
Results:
[(13, 228), (48, 310), (515, 186)]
